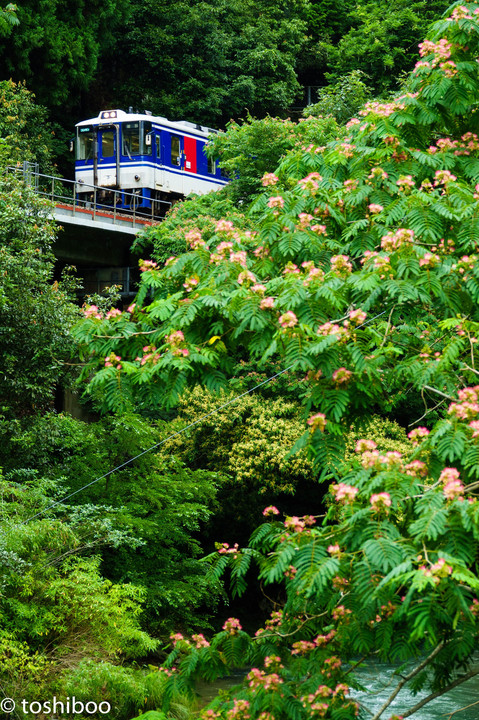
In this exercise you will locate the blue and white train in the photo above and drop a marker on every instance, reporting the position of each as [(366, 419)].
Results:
[(142, 161)]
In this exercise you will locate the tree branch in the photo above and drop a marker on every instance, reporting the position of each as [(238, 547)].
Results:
[(406, 679), (438, 693), (438, 392), (463, 708)]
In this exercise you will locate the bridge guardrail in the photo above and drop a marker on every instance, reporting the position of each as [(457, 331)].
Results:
[(63, 192)]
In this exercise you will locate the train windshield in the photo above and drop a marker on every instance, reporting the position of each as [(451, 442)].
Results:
[(85, 143), (131, 139), (136, 138), (108, 143)]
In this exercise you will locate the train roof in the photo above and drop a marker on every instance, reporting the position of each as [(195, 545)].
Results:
[(107, 116)]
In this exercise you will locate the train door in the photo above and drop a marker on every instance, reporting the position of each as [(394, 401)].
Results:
[(107, 157), (177, 162), (159, 162)]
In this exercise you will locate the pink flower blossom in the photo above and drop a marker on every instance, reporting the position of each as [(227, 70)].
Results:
[(330, 329), (200, 641), (288, 320), (302, 647), (405, 181), (341, 264), (194, 239), (190, 283), (311, 182), (395, 239), (429, 260), (319, 229), (363, 445), (114, 312), (112, 360), (417, 434), (475, 426), (453, 489), (238, 257), (317, 422), (270, 510), (343, 491), (225, 226), (266, 303), (276, 202), (370, 459), (92, 311), (269, 179), (232, 625), (380, 501), (443, 177), (374, 208), (147, 265), (245, 276), (449, 474), (295, 524), (341, 376), (357, 316), (416, 468), (258, 678), (441, 568)]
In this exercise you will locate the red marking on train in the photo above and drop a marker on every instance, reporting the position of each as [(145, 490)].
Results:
[(190, 154)]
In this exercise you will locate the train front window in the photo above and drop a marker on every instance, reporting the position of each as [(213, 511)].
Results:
[(108, 143), (85, 144), (131, 139)]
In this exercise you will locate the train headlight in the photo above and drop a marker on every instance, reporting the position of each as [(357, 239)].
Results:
[(108, 115)]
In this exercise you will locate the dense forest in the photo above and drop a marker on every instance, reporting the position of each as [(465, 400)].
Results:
[(278, 476)]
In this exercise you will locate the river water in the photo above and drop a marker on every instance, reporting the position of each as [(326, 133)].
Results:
[(379, 683), (377, 678)]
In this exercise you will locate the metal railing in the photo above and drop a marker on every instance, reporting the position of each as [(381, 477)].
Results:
[(118, 206)]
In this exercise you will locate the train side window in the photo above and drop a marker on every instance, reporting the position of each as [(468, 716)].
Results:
[(158, 148), (175, 150), (131, 139), (108, 143), (85, 144), (145, 137), (211, 166)]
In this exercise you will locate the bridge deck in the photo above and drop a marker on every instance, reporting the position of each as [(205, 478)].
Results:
[(96, 217)]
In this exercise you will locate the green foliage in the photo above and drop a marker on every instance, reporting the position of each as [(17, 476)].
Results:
[(381, 40), (128, 691), (24, 132), (342, 99), (195, 214), (208, 61), (8, 19), (248, 441), (247, 150), (355, 226), (156, 500), (55, 606), (389, 572), (56, 47), (36, 313)]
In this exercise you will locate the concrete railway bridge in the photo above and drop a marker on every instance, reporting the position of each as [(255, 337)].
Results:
[(94, 237)]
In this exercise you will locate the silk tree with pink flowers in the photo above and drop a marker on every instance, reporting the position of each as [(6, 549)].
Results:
[(357, 267)]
